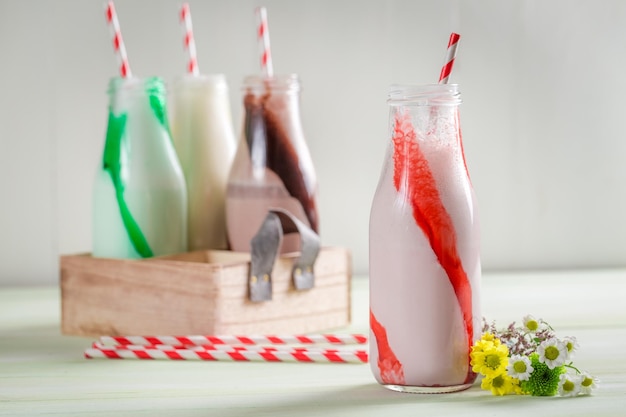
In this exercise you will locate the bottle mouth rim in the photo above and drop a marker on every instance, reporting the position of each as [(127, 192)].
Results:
[(280, 82), (200, 78), (426, 94), (152, 84)]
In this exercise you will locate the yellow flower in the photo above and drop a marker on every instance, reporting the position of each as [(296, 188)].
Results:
[(481, 346), (489, 337), (488, 358), (517, 389), (486, 342), (500, 384)]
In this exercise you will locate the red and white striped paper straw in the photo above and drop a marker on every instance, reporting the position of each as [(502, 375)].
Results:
[(190, 43), (263, 36), (446, 70), (118, 42), (199, 340), (250, 348), (300, 355)]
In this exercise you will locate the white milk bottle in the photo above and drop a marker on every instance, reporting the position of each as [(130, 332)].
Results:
[(204, 138), (424, 248), (140, 198)]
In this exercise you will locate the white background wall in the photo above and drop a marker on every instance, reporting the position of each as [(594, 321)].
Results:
[(543, 113)]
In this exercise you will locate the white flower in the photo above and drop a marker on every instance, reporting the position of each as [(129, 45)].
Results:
[(571, 344), (531, 324), (588, 383), (519, 367), (552, 352), (569, 385)]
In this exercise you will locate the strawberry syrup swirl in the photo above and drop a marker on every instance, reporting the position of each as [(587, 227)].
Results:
[(391, 371), (412, 173)]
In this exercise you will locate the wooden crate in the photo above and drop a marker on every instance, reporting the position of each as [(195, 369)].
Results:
[(201, 292)]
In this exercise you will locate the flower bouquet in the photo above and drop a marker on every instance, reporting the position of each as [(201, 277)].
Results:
[(529, 360)]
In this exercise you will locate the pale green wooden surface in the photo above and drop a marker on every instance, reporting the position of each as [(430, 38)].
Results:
[(44, 373)]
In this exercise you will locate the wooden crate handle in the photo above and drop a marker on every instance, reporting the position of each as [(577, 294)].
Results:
[(265, 245)]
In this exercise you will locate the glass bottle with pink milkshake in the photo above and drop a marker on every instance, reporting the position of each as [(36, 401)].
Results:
[(272, 166), (424, 260)]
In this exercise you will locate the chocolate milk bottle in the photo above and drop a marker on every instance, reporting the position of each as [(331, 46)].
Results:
[(272, 167)]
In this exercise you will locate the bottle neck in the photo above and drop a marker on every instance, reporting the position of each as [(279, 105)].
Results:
[(138, 98), (125, 93), (276, 98), (426, 114)]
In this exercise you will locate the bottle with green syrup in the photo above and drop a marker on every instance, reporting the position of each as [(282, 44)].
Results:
[(140, 196)]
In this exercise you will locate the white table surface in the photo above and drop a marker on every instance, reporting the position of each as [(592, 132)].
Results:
[(44, 373)]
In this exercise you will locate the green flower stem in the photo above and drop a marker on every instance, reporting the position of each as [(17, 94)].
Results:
[(571, 366)]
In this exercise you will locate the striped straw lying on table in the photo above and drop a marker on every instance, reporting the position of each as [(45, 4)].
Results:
[(270, 348)]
